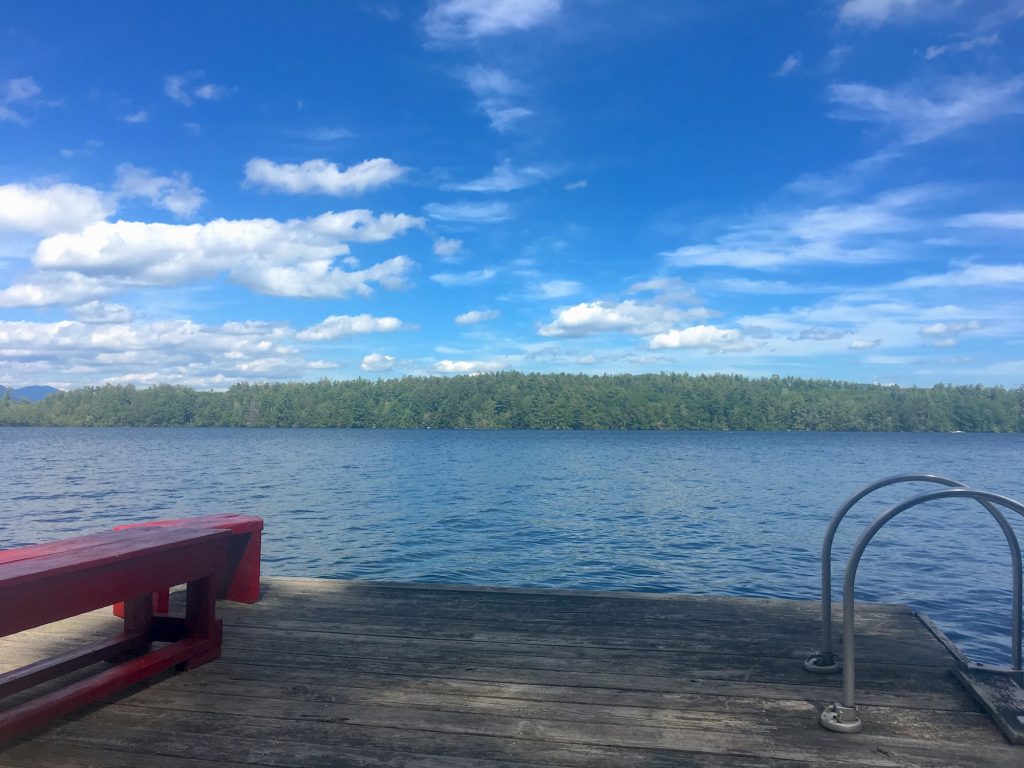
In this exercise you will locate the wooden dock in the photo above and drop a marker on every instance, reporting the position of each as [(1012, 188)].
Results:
[(338, 673)]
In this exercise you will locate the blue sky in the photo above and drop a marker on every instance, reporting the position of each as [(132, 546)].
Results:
[(207, 193)]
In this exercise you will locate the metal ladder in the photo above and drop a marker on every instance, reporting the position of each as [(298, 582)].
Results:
[(842, 716)]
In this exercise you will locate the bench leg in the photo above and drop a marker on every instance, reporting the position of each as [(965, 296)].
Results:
[(201, 622)]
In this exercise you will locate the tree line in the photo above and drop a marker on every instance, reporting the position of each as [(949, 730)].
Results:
[(515, 400), (510, 400)]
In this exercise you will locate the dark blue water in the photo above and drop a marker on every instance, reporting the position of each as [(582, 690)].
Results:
[(695, 512)]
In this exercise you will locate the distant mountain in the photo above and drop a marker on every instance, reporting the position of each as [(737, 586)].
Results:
[(32, 394)]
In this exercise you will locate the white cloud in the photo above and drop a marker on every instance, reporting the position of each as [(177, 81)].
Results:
[(359, 225), (876, 12), (174, 88), (281, 258), (477, 316), (475, 277), (502, 116), (961, 46), (459, 20), (377, 362), (17, 91), (919, 115), (503, 178), (322, 177), (136, 117), (947, 334), (764, 287), (169, 351), (469, 366), (182, 89), (990, 220), (993, 275), (470, 212), (211, 92), (558, 289), (865, 343), (447, 248), (176, 194), (336, 326), (787, 67), (572, 186), (47, 288), (697, 337), (629, 316), (490, 82), (102, 312), (494, 90), (834, 233), (46, 210), (666, 286)]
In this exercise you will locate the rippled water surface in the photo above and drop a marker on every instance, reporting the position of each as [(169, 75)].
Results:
[(696, 512)]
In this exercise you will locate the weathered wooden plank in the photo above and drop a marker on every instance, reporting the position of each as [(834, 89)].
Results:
[(437, 751), (433, 675), (1001, 696), (258, 696), (418, 731)]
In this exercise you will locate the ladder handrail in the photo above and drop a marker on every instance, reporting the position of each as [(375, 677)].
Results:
[(824, 660), (843, 716)]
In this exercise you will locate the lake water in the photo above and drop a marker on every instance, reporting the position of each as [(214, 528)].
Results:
[(694, 512)]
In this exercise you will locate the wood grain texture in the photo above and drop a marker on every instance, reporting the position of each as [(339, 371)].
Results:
[(335, 673)]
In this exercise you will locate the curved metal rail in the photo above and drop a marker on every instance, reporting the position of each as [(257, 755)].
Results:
[(826, 660), (842, 716)]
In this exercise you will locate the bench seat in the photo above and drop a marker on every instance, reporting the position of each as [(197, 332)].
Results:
[(48, 582)]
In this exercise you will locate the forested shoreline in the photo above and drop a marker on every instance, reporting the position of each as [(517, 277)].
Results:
[(510, 400)]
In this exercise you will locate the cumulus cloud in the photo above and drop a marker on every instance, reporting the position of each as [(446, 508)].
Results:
[(168, 351), (282, 258), (468, 212), (469, 366), (572, 186), (102, 312), (321, 177), (336, 326), (628, 316), (185, 88), (47, 288), (56, 208), (175, 194), (136, 117), (477, 316), (463, 20), (376, 362), (697, 337), (919, 115), (504, 178), (446, 248), (474, 277)]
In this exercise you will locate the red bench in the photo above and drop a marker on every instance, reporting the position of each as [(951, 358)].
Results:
[(54, 581), (241, 580)]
